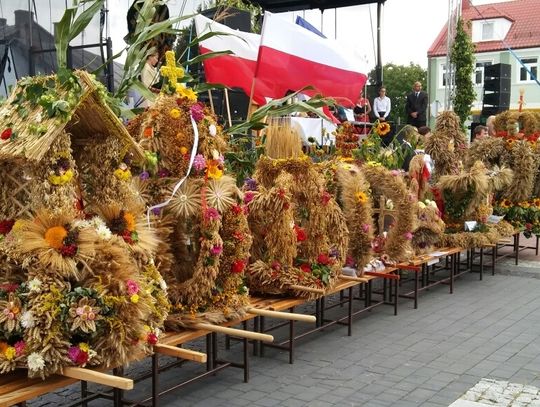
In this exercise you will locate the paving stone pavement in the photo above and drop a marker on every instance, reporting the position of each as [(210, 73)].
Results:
[(425, 357)]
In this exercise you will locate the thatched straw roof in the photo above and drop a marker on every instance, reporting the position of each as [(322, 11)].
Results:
[(34, 130)]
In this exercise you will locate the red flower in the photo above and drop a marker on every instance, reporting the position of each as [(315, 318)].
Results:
[(81, 358), (126, 235), (237, 209), (306, 268), (238, 267), (6, 226), (238, 236), (275, 265), (325, 197), (528, 226), (152, 338), (301, 235), (6, 134), (68, 250), (281, 193), (323, 259)]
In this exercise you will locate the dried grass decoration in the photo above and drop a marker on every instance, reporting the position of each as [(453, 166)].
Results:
[(300, 235), (467, 197), (447, 145), (355, 198), (83, 300), (516, 147), (346, 139), (429, 227), (390, 184), (203, 228)]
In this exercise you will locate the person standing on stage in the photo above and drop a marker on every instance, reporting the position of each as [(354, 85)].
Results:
[(416, 106), (382, 105)]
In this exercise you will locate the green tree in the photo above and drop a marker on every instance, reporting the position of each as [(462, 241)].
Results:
[(398, 81), (463, 59)]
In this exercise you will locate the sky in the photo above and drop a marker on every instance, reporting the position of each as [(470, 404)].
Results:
[(408, 26)]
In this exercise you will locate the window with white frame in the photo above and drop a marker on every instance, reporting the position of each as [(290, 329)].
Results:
[(478, 76), (531, 65), (488, 31), (442, 76)]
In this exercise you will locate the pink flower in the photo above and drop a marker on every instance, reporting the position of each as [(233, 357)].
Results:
[(408, 235), (132, 287), (211, 214), (365, 227), (73, 353), (199, 163), (395, 173), (197, 112), (248, 197), (216, 250), (19, 347)]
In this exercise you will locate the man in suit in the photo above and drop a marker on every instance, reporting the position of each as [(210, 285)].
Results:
[(416, 106)]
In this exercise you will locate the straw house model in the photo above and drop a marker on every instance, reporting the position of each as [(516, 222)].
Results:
[(78, 282)]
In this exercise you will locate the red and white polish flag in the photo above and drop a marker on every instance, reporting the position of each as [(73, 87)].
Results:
[(236, 70), (291, 57)]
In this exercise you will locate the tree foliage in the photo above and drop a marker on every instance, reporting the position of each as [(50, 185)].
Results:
[(398, 81), (463, 59)]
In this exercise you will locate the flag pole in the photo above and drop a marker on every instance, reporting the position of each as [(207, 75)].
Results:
[(228, 106), (211, 100)]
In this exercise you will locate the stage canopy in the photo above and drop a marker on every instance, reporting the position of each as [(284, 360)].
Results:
[(277, 6)]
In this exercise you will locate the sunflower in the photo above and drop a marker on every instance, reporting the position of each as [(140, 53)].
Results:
[(361, 197), (382, 129), (221, 193), (48, 237)]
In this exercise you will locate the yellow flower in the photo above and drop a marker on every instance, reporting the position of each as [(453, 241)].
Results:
[(61, 179), (84, 347), (122, 175), (183, 150), (361, 197), (134, 298), (186, 92), (345, 159), (374, 164), (10, 353), (213, 171), (55, 236), (174, 113), (382, 129), (130, 221)]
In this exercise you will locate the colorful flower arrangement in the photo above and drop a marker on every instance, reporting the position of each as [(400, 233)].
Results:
[(14, 318), (524, 216), (61, 173), (124, 225), (63, 239)]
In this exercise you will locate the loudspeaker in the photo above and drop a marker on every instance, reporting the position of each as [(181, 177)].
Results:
[(239, 103), (492, 110), (497, 71), (496, 89), (501, 99), (497, 85), (235, 18)]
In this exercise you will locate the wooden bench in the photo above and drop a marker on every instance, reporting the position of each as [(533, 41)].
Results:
[(420, 264), (17, 388)]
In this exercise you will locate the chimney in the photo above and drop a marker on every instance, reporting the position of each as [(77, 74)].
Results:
[(22, 18)]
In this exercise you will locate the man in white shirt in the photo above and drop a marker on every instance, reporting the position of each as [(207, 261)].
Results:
[(382, 105)]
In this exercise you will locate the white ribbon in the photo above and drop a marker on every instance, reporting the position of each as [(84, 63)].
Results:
[(179, 183)]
